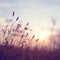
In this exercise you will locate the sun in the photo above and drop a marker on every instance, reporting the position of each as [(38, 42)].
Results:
[(42, 35)]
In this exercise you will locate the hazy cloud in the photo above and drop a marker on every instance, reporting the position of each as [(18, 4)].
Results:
[(6, 5), (11, 1), (32, 10)]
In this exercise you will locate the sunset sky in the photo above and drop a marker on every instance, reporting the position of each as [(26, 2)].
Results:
[(38, 12)]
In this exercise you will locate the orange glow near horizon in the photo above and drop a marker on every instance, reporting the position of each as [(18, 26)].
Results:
[(42, 35)]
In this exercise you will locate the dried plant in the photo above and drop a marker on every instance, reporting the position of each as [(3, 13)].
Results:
[(16, 31), (10, 32)]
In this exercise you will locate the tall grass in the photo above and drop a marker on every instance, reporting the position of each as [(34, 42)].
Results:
[(16, 34)]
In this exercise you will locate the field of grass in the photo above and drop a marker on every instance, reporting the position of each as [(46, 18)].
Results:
[(15, 43), (14, 53)]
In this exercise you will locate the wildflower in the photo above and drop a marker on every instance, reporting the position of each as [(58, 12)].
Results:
[(17, 18)]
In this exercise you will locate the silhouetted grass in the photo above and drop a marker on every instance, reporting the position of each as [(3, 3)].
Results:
[(15, 53), (15, 33)]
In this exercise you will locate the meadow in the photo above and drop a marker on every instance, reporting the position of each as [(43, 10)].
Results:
[(15, 43)]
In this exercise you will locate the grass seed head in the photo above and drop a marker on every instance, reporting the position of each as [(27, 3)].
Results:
[(13, 13)]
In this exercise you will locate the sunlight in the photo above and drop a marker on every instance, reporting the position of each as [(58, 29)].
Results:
[(42, 35)]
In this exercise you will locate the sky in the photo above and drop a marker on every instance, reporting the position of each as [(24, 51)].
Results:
[(38, 13)]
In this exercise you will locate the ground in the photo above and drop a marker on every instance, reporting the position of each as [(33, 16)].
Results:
[(15, 53)]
